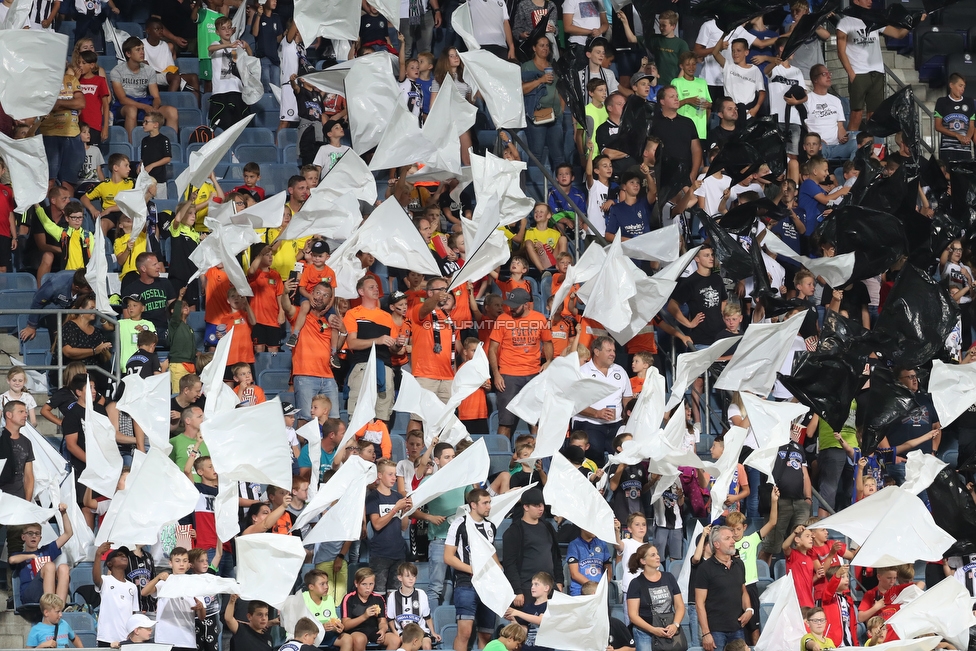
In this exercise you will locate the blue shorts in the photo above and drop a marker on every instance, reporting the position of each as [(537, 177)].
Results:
[(468, 606), (117, 106), (33, 591), (329, 640)]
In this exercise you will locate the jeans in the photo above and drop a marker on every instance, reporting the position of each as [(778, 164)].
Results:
[(65, 157), (438, 571), (550, 135), (844, 151), (897, 472), (722, 638), (835, 475), (308, 386), (601, 438), (421, 34), (693, 619), (950, 453), (642, 639), (386, 575), (752, 502), (668, 540), (226, 567)]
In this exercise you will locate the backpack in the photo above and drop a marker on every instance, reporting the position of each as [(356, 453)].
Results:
[(202, 133), (698, 499)]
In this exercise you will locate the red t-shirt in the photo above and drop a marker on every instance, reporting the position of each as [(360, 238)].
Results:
[(802, 566), (889, 608), (94, 88), (6, 207), (822, 552)]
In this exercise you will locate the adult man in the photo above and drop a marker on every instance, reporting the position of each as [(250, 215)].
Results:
[(58, 291), (530, 546), (825, 117), (513, 354), (332, 432), (312, 360), (288, 252), (433, 343), (368, 325), (582, 20), (602, 420), (704, 294), (17, 474), (721, 601), (679, 135), (606, 133), (920, 429), (859, 51), (43, 252), (457, 553), (438, 510), (492, 29), (156, 293), (190, 395), (728, 114)]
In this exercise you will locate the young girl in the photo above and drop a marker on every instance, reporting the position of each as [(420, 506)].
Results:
[(816, 639), (449, 63), (17, 380), (398, 310), (637, 528), (364, 615)]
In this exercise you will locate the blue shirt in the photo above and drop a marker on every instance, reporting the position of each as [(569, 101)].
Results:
[(26, 569), (915, 424), (812, 209), (785, 230), (325, 461), (42, 632), (425, 89), (631, 221), (558, 204), (591, 558)]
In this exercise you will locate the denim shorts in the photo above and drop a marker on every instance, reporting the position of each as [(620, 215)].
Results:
[(468, 606)]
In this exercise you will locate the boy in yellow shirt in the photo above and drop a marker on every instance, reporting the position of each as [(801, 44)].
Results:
[(77, 244), (118, 164), (543, 243)]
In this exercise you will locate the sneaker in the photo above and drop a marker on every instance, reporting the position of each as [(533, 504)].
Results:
[(335, 361), (292, 340)]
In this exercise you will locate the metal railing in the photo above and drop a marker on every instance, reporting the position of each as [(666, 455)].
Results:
[(62, 363), (926, 118)]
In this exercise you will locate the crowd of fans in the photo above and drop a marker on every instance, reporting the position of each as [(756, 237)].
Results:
[(703, 89)]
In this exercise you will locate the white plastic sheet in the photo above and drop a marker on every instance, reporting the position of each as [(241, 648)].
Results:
[(414, 398), (250, 444), (684, 576), (50, 468), (489, 245), (576, 623), (725, 468), (344, 519), (203, 161), (500, 85), (350, 174), (31, 71), (502, 504), (103, 465), (293, 610), (116, 37), (463, 26), (921, 470), (264, 214), (487, 576), (371, 96), (920, 644), (366, 405), (96, 273), (562, 378), (221, 247), (156, 492), (772, 423), (836, 270), (570, 495), (133, 202), (648, 412), (390, 10), (585, 269), (452, 115), (884, 540), (946, 608), (491, 174), (402, 143), (692, 365), (239, 21), (17, 14), (469, 467), (212, 376), (469, 378), (953, 389), (27, 162), (250, 70), (319, 216), (338, 20), (267, 564), (195, 586), (674, 269), (785, 625), (16, 511), (760, 355), (661, 245), (81, 546), (226, 512)]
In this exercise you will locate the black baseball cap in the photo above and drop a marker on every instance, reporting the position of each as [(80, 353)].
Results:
[(517, 297), (532, 497), (320, 246)]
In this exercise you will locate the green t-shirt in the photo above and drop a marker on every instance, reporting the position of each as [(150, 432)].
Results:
[(324, 611), (446, 505), (206, 35), (825, 433), (128, 334), (599, 116), (694, 88), (496, 645), (182, 444), (748, 549), (666, 52)]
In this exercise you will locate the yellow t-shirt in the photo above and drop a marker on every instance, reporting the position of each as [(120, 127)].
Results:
[(203, 196), (63, 123), (75, 258), (139, 247), (107, 190), (287, 254), (548, 236)]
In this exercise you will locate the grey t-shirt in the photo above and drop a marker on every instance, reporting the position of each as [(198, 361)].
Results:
[(135, 84), (23, 452)]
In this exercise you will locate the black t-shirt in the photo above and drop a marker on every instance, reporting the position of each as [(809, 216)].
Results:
[(353, 607), (655, 596), (266, 44), (36, 228), (788, 470), (627, 498), (61, 398), (620, 635), (532, 629), (719, 136), (373, 29), (703, 294), (955, 116), (724, 600), (309, 104), (536, 551), (200, 402), (677, 134), (143, 364), (153, 149), (247, 639), (71, 423), (155, 297)]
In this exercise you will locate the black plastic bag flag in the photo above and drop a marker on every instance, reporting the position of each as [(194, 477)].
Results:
[(570, 88), (758, 142), (735, 260), (525, 51), (729, 14), (952, 506), (740, 219), (895, 16), (885, 402), (962, 177), (877, 239), (897, 113), (807, 26), (826, 382), (635, 125)]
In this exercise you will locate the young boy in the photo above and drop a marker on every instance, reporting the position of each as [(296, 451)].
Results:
[(35, 564), (316, 271), (227, 106), (641, 362), (426, 63), (407, 605), (411, 92), (77, 244), (739, 490), (140, 629), (42, 635), (91, 171), (240, 320), (321, 605), (694, 99), (405, 467), (632, 216), (800, 559), (118, 165), (254, 634), (305, 633), (510, 638), (747, 548), (206, 627), (743, 82), (542, 242), (384, 511), (144, 362), (156, 150), (530, 615), (783, 103), (247, 392), (517, 268), (596, 90), (120, 596), (828, 552), (667, 48), (330, 153), (135, 90), (588, 558), (175, 617), (267, 286), (814, 194), (473, 410), (954, 120), (839, 608), (131, 326), (626, 483), (561, 210), (599, 170), (413, 638), (580, 439), (252, 174), (311, 174)]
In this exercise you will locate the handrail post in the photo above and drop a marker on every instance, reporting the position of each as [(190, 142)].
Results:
[(60, 352)]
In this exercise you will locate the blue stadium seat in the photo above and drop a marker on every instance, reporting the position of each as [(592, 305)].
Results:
[(399, 451), (18, 281), (177, 152), (275, 178), (500, 461), (674, 567), (177, 168), (444, 616), (287, 137), (274, 381), (779, 569), (255, 137), (495, 442), (256, 153), (266, 119), (196, 320), (132, 29), (116, 133), (289, 154), (266, 103), (448, 633), (264, 361), (14, 299), (932, 45), (108, 62), (80, 622), (188, 65), (400, 423), (190, 117), (178, 99), (287, 396), (193, 146), (121, 148), (166, 204)]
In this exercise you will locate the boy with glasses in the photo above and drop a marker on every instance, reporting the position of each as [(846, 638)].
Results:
[(35, 565)]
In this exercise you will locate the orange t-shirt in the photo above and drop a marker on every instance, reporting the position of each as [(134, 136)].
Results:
[(424, 362), (252, 395), (590, 330), (415, 297), (485, 328), (461, 314), (644, 341), (370, 324), (636, 384), (519, 342), (267, 287), (313, 354), (508, 285), (562, 331), (557, 282), (378, 430), (217, 306), (312, 277), (474, 407), (405, 329), (241, 347)]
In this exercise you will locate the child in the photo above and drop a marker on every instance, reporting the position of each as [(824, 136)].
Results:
[(311, 174), (405, 467), (42, 635), (77, 244), (588, 558), (240, 320), (542, 242), (160, 56), (747, 548), (131, 325), (426, 62), (530, 615), (561, 210), (364, 613), (816, 621), (330, 153), (175, 616), (96, 114), (140, 629), (510, 638), (739, 489), (305, 633), (814, 194), (877, 631), (473, 410), (206, 627), (867, 485), (321, 605), (118, 165), (631, 217), (268, 30), (247, 392), (374, 32), (35, 564), (785, 82), (668, 528), (667, 48), (156, 150), (252, 174), (596, 90), (581, 439), (16, 381), (599, 170), (797, 548), (412, 637), (954, 117), (384, 511), (254, 634), (634, 536), (743, 82), (290, 411), (91, 171), (408, 606), (133, 83), (124, 601), (411, 92), (315, 272), (694, 98), (227, 106), (641, 362), (829, 552), (641, 83), (517, 268), (416, 289), (126, 247), (626, 483), (144, 362), (839, 606)]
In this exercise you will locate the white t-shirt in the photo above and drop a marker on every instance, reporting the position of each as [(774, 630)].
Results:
[(119, 600), (159, 57), (738, 189), (405, 9), (742, 84), (598, 194), (823, 114), (630, 548), (175, 622), (751, 441), (606, 74), (25, 398), (712, 188), (781, 80), (224, 68), (708, 35), (617, 378), (863, 47), (586, 14), (327, 155), (488, 21)]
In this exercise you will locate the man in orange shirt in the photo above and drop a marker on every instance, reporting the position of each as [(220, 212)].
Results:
[(367, 325), (518, 342), (432, 355), (311, 361), (266, 284)]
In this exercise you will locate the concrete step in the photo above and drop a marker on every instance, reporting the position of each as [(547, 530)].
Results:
[(13, 628)]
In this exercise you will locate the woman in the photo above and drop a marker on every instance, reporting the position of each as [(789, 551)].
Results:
[(959, 277), (260, 518), (363, 615), (82, 342), (527, 16), (84, 45), (738, 417), (543, 105), (653, 598), (449, 63), (637, 526)]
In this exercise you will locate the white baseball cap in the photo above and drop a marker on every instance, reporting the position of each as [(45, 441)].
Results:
[(138, 621)]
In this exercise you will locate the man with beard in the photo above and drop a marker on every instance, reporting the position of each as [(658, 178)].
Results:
[(432, 356), (514, 353), (312, 367)]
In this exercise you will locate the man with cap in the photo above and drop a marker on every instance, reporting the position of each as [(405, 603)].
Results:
[(529, 546), (58, 291), (517, 343), (140, 630), (120, 597), (130, 325)]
